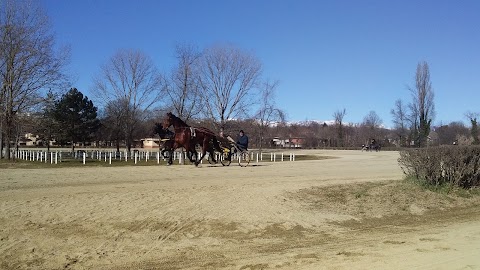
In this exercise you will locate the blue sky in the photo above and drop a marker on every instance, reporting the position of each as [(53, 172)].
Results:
[(326, 55)]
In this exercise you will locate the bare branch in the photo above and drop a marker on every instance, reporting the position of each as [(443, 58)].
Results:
[(227, 76), (129, 80), (183, 88)]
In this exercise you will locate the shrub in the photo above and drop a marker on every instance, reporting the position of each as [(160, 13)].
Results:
[(443, 165)]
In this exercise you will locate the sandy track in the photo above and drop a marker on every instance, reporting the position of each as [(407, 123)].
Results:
[(182, 217)]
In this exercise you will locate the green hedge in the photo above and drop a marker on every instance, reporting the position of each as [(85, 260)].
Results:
[(453, 165)]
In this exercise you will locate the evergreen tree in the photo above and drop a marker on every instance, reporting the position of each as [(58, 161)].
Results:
[(77, 118)]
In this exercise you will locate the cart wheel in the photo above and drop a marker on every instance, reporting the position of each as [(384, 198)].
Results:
[(244, 158), (226, 158)]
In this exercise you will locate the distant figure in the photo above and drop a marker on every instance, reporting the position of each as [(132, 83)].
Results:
[(242, 140)]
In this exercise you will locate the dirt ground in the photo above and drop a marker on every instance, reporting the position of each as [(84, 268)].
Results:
[(347, 212)]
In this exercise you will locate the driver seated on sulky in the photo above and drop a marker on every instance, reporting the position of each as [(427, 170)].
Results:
[(242, 140)]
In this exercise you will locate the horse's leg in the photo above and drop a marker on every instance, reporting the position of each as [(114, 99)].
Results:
[(170, 152), (191, 152), (204, 151), (211, 152), (164, 152), (190, 155), (170, 156), (187, 144)]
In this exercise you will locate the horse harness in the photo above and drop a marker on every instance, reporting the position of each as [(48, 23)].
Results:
[(192, 132)]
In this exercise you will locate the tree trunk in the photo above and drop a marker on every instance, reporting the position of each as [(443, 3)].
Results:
[(8, 133), (7, 146), (1, 139)]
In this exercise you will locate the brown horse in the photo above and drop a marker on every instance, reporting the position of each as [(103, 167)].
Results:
[(188, 137)]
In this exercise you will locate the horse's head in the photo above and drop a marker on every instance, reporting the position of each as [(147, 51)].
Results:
[(168, 121), (158, 129), (171, 119)]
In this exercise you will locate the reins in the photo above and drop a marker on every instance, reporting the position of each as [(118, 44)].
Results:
[(201, 129)]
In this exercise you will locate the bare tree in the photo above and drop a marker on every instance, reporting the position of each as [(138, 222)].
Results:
[(372, 120), (183, 89), (113, 121), (338, 117), (227, 76), (131, 80), (422, 106), (472, 117), (28, 61), (400, 120), (268, 113), (371, 124)]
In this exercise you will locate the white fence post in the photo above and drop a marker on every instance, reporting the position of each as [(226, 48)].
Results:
[(84, 155), (180, 158)]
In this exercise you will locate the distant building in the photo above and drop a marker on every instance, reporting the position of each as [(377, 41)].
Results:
[(294, 142), (150, 142), (29, 140)]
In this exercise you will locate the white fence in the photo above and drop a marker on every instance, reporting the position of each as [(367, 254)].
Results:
[(109, 156)]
